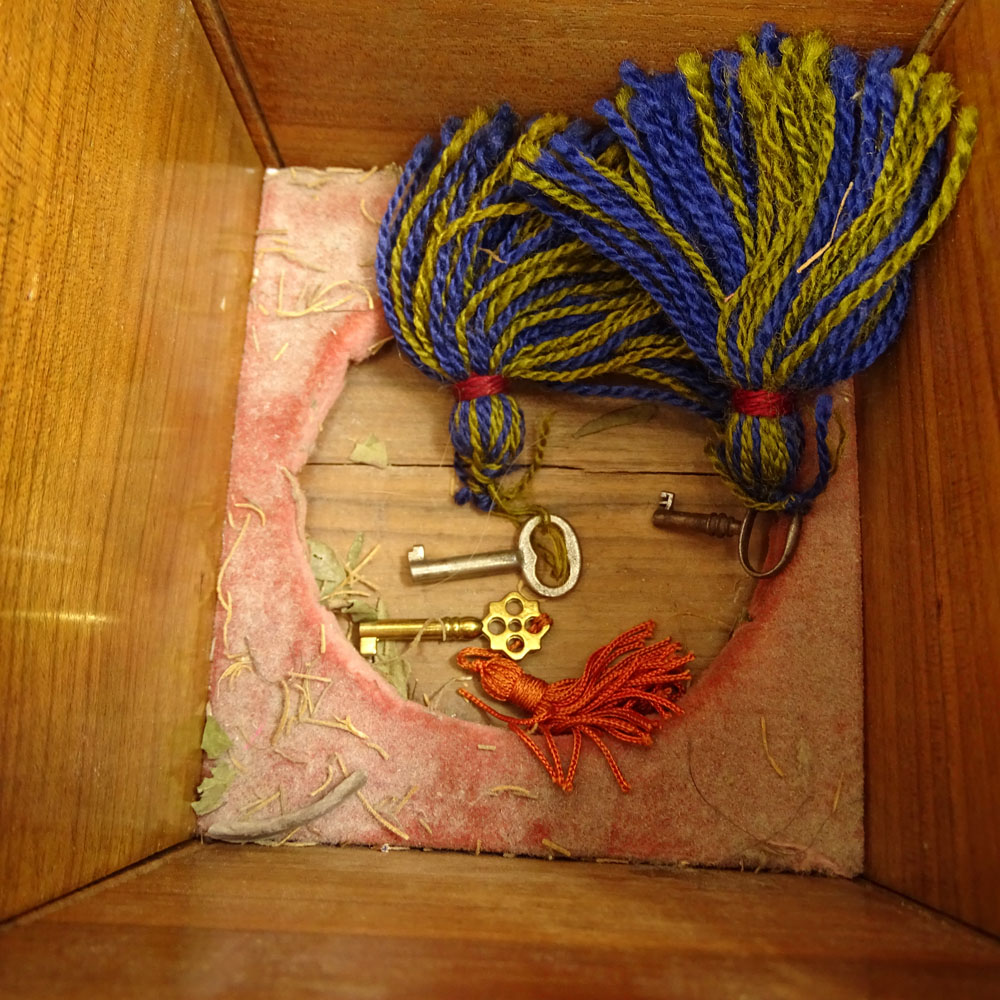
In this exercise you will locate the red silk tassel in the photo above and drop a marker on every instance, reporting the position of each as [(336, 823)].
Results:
[(622, 683)]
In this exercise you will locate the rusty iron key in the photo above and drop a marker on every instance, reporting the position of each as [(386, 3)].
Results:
[(718, 525)]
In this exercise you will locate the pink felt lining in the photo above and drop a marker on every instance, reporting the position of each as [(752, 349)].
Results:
[(705, 793)]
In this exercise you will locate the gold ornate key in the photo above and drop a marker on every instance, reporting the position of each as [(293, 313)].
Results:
[(513, 625)]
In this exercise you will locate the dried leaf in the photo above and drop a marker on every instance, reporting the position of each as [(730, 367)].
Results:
[(361, 611), (395, 670), (325, 566), (371, 452), (637, 414), (338, 602), (354, 552), (214, 740), (212, 790)]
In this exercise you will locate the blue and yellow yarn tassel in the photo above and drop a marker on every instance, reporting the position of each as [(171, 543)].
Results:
[(770, 200), (479, 288)]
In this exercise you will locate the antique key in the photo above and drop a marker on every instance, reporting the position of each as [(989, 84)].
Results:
[(724, 526), (513, 625), (524, 557)]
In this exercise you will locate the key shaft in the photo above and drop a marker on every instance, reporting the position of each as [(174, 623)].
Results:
[(425, 570), (396, 629)]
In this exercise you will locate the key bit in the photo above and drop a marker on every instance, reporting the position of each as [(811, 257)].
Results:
[(524, 557), (513, 625)]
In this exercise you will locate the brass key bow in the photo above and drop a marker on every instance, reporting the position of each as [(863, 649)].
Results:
[(513, 625)]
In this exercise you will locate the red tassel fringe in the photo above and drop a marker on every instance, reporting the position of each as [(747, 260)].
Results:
[(621, 685)]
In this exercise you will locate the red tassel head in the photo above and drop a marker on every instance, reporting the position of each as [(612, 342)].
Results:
[(503, 679), (627, 688)]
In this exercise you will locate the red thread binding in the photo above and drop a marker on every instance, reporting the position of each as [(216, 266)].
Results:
[(763, 403), (479, 385)]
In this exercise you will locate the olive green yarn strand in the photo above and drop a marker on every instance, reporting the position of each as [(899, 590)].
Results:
[(815, 147), (544, 309), (792, 205), (786, 89), (418, 338), (472, 217), (622, 161), (575, 344), (442, 233), (901, 166), (676, 386), (570, 259), (762, 120), (875, 315), (523, 171), (650, 210), (884, 210), (638, 353), (441, 241), (480, 466), (908, 80), (967, 127), (774, 463), (931, 115), (576, 203), (514, 279), (821, 139), (422, 286), (879, 218), (461, 327), (718, 160), (747, 470)]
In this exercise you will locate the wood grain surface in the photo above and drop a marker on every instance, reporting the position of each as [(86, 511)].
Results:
[(354, 84), (129, 190), (225, 921), (228, 58), (606, 484), (930, 464)]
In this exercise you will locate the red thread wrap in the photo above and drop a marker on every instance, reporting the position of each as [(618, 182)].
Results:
[(763, 403), (478, 385)]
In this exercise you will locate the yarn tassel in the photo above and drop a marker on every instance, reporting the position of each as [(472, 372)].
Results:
[(771, 200), (480, 288), (622, 684)]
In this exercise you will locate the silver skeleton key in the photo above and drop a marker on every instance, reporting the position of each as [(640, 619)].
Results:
[(524, 557)]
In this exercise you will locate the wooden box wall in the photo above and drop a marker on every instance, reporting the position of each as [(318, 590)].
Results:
[(130, 176)]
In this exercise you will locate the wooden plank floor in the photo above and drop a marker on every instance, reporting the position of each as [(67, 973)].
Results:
[(223, 921), (606, 484)]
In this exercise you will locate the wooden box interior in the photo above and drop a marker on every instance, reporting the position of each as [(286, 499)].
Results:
[(134, 138)]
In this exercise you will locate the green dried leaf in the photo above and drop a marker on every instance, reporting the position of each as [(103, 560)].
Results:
[(354, 552), (395, 670), (325, 566), (214, 740), (212, 790), (338, 603), (371, 452), (637, 414), (361, 611)]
